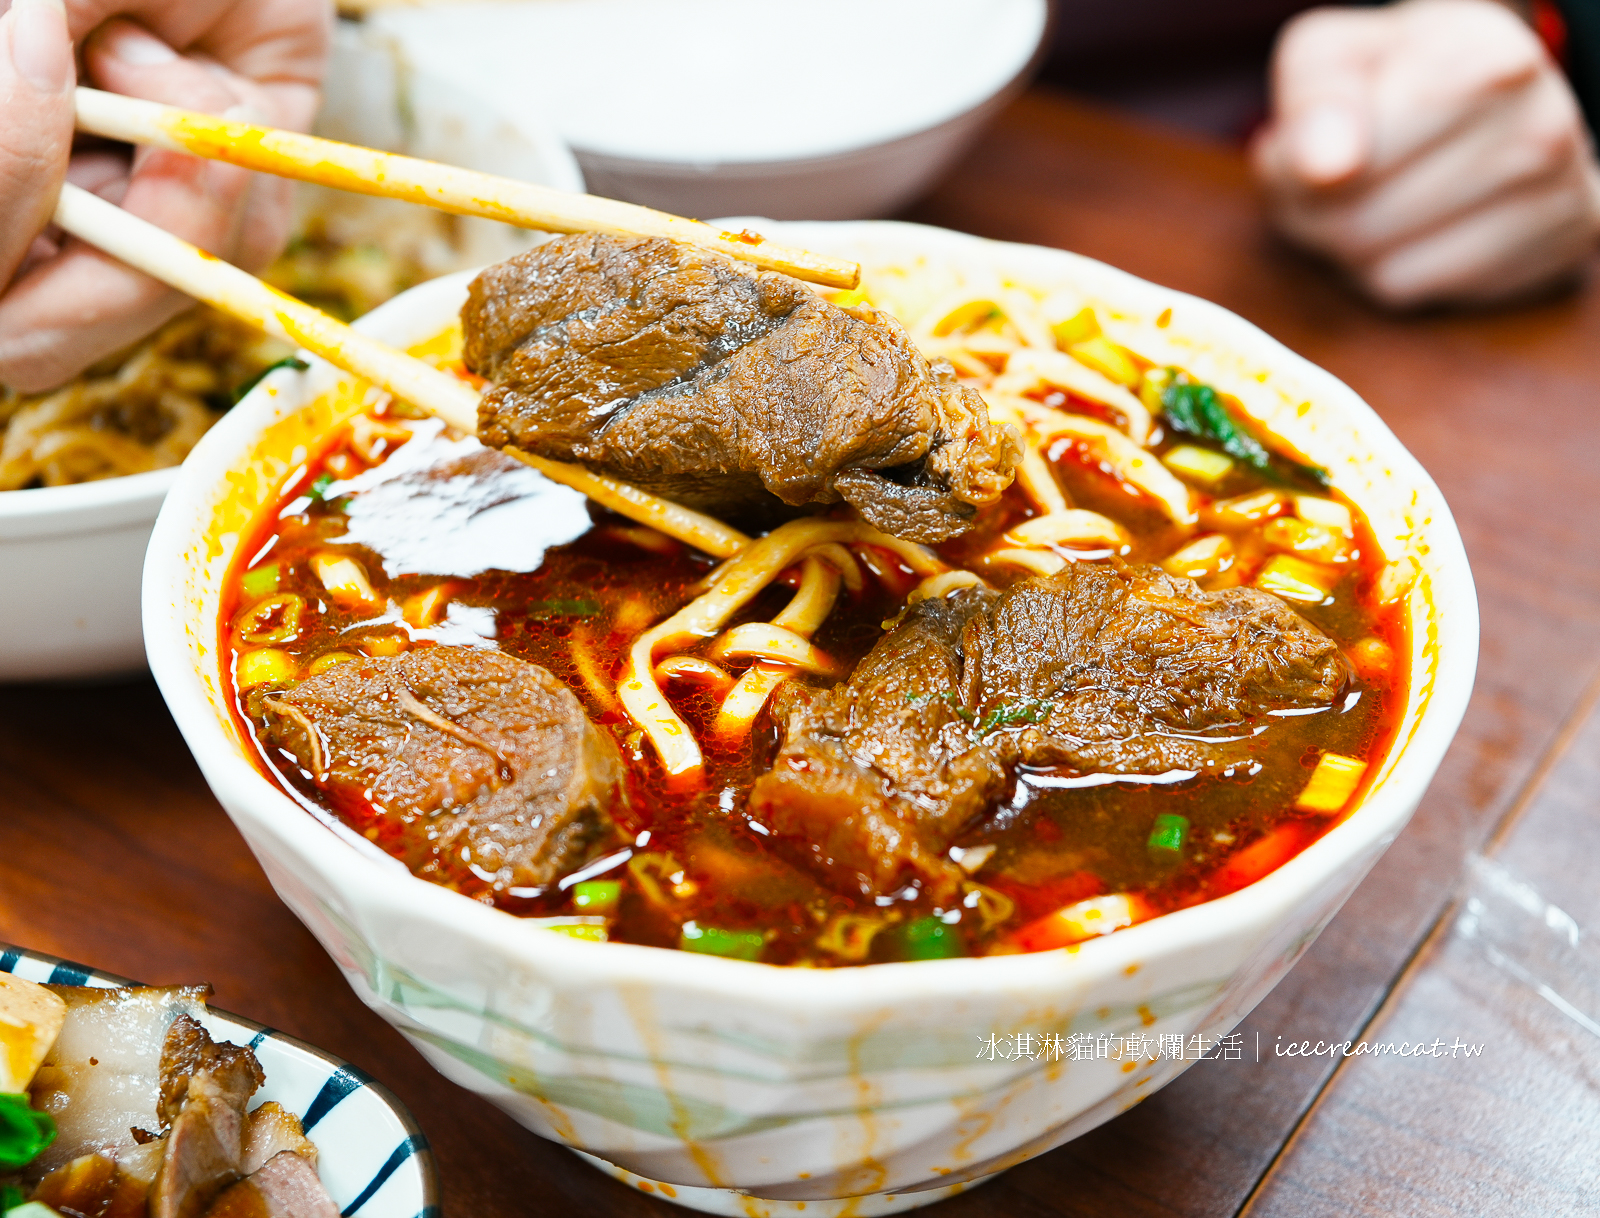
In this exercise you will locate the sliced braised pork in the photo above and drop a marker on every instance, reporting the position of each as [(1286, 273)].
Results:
[(101, 1078), (205, 1088), (286, 1186), (271, 1131), (211, 1157), (736, 391)]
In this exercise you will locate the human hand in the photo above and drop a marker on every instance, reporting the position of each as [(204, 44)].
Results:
[(1432, 149), (66, 304)]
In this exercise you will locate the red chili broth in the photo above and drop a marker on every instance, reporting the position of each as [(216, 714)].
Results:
[(1052, 847)]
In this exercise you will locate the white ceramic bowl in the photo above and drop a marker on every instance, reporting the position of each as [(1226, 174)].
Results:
[(831, 110), (69, 576), (801, 1084), (70, 556), (371, 1156), (373, 96)]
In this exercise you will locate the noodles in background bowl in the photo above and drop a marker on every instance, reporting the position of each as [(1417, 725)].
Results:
[(139, 410), (146, 407), (100, 453)]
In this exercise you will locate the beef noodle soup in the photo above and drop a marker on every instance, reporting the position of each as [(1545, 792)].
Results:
[(983, 634)]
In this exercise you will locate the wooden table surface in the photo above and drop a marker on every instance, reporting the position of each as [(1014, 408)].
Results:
[(113, 852)]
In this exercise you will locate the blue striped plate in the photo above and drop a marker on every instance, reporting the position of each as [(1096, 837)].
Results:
[(374, 1160)]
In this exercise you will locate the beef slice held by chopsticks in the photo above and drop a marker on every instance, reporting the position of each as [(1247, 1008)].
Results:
[(734, 391)]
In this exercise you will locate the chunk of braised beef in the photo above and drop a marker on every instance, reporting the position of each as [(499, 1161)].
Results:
[(1134, 671), (493, 753), (878, 775), (1096, 668), (732, 390)]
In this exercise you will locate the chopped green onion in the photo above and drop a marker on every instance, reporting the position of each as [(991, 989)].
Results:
[(931, 939), (1015, 714), (713, 941), (581, 606), (319, 487), (24, 1132), (597, 896), (1167, 837), (263, 581), (1081, 326), (1332, 783), (299, 365), (1204, 466), (579, 930), (949, 699)]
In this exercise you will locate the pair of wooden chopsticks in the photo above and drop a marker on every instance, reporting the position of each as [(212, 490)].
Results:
[(289, 154), (175, 262)]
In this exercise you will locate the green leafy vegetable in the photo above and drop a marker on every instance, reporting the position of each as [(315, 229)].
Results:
[(10, 1198), (931, 939), (24, 1132), (713, 941), (299, 365), (1193, 409)]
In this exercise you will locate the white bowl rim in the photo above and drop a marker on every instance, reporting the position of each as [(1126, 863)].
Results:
[(623, 145), (387, 885)]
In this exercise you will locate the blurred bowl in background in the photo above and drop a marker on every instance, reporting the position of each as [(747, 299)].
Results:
[(71, 556), (353, 252), (830, 110)]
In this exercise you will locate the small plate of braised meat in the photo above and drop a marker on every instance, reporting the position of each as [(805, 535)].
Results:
[(119, 1100)]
